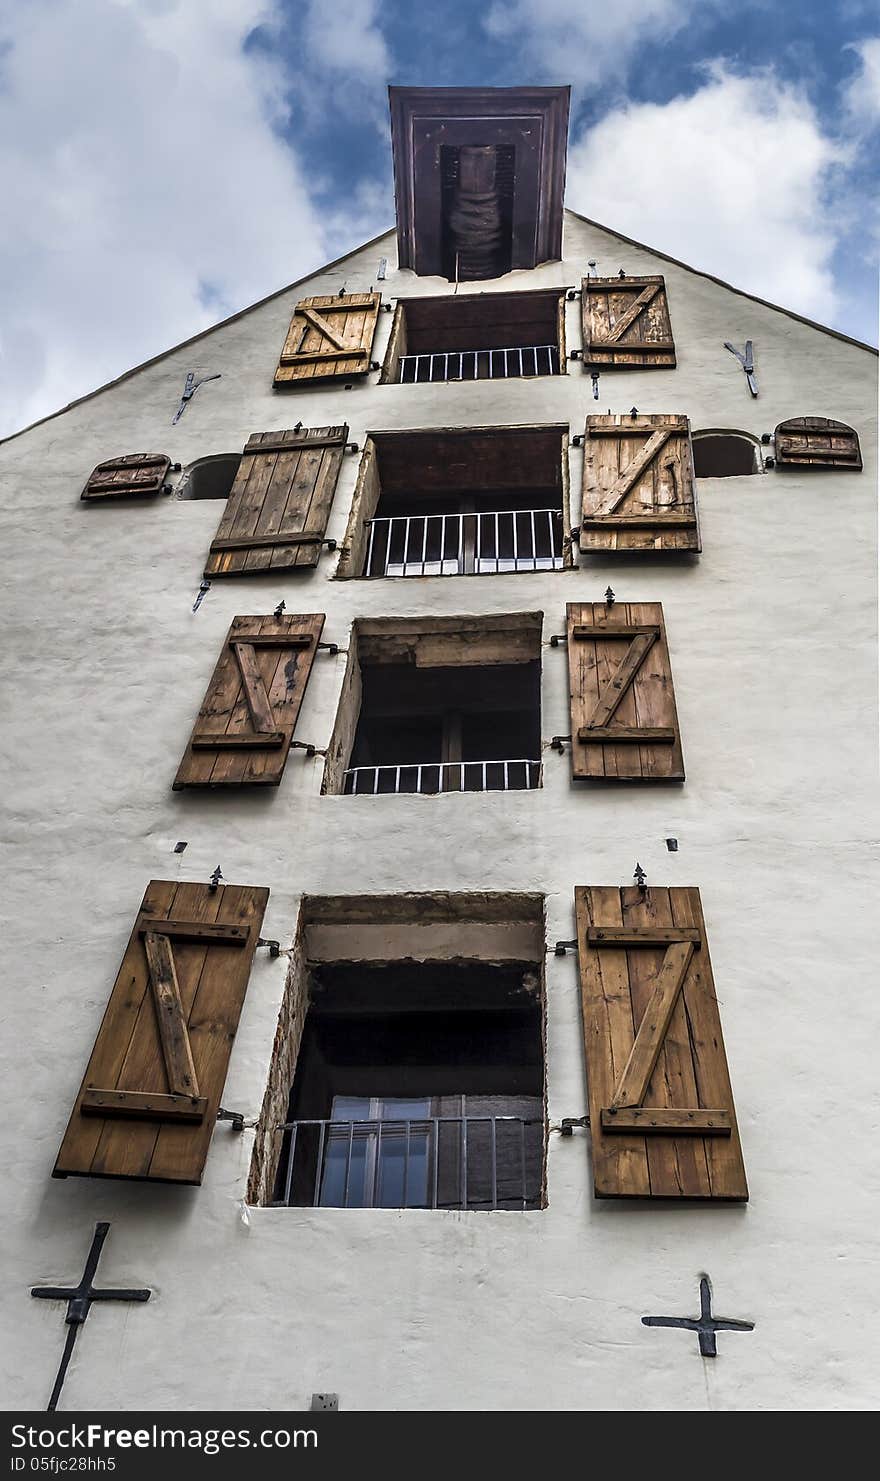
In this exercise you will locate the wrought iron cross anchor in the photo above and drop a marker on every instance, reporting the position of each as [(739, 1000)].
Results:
[(79, 1303), (705, 1326), (747, 361), (190, 386)]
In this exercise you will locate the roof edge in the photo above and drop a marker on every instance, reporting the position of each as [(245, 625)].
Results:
[(194, 338), (731, 288)]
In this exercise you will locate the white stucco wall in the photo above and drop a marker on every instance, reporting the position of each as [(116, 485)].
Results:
[(773, 652)]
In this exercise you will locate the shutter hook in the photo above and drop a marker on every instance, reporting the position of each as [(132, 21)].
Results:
[(594, 377), (204, 588)]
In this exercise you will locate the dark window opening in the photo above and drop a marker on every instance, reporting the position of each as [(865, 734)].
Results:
[(724, 455), (461, 729), (459, 504), (487, 336), (418, 1085), (211, 478)]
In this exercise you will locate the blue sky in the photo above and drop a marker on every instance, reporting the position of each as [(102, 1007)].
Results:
[(171, 161)]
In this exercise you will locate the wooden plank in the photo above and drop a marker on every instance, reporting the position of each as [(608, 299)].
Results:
[(632, 473), (620, 1163), (82, 1137), (616, 686), (320, 323), (295, 444), (642, 935), (268, 542), (628, 734), (273, 640), (727, 1174), (307, 357), (149, 1107), (266, 740), (604, 427), (677, 1164), (254, 689), (665, 1121), (179, 1067), (589, 631), (197, 932), (217, 1001), (631, 1087), (633, 312), (639, 521)]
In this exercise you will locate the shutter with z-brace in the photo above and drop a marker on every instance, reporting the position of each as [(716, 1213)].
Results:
[(148, 1102), (276, 515), (662, 1119), (624, 723), (330, 338), (638, 487), (626, 324), (245, 726)]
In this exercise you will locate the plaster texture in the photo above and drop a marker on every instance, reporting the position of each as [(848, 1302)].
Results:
[(772, 641)]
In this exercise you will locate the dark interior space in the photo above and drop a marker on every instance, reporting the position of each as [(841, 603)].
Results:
[(428, 1074), (481, 321), (414, 716), (723, 455), (212, 478), (500, 493)]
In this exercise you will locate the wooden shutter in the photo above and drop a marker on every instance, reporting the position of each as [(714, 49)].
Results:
[(817, 442), (626, 324), (639, 489), (624, 725), (135, 474), (277, 511), (245, 726), (329, 339), (662, 1119), (149, 1099)]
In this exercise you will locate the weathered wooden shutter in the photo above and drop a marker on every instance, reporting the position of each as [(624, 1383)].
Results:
[(134, 474), (329, 338), (148, 1103), (624, 725), (639, 489), (626, 324), (245, 726), (662, 1119), (817, 442), (277, 511)]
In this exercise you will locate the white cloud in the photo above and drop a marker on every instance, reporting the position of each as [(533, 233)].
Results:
[(590, 44), (733, 179), (347, 62), (146, 187), (862, 94)]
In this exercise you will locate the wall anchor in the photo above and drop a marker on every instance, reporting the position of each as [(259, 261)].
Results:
[(190, 386), (705, 1326)]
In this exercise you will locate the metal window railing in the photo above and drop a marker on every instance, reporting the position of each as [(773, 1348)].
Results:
[(500, 540), (434, 1162), (443, 776), (511, 362)]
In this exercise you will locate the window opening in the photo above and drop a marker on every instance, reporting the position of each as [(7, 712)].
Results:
[(724, 455)]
